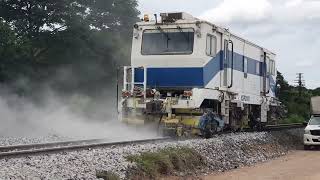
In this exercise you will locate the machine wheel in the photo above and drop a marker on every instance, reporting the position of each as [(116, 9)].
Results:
[(257, 126), (236, 118), (210, 130)]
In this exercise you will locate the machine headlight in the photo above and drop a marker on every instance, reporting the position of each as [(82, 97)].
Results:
[(306, 131)]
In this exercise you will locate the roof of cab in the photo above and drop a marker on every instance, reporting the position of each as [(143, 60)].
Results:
[(189, 19)]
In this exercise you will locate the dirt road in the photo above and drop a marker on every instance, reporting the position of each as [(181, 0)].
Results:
[(298, 165)]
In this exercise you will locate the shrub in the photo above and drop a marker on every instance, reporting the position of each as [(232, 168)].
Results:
[(167, 161), (293, 118), (106, 175)]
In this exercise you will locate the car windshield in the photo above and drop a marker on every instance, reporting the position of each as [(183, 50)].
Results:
[(314, 121), (167, 41)]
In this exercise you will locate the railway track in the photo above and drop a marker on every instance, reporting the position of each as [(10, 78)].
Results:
[(278, 127), (4, 149), (36, 149), (284, 126)]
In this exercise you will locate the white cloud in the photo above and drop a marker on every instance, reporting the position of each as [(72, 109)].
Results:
[(298, 11), (290, 28), (263, 11), (304, 63), (293, 3), (236, 10), (195, 7)]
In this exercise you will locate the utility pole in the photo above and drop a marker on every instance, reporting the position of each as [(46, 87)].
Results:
[(300, 82)]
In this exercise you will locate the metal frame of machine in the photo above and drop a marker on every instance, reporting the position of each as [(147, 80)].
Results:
[(233, 77)]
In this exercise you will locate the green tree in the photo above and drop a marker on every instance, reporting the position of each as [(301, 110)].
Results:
[(68, 44), (298, 106), (14, 58)]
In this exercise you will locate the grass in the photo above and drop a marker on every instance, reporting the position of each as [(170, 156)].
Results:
[(166, 161), (293, 118), (106, 175)]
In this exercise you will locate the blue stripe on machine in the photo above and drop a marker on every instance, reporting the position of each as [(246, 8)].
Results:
[(212, 68), (171, 77), (238, 61), (238, 64), (138, 75), (194, 76)]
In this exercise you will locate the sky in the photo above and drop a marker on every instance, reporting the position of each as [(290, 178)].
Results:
[(290, 28)]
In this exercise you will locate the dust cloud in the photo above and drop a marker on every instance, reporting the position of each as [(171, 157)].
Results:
[(77, 116)]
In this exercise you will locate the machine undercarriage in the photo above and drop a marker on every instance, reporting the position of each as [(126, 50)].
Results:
[(172, 111)]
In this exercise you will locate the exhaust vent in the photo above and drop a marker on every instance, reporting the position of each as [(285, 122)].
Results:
[(173, 17)]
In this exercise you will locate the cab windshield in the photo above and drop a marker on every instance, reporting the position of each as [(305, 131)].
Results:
[(314, 121), (167, 41)]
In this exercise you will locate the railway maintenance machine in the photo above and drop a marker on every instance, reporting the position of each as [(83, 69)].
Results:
[(190, 76)]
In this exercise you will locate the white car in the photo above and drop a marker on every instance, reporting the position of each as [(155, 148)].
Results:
[(312, 133)]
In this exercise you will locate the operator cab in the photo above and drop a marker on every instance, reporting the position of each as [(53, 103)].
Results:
[(174, 50), (171, 42)]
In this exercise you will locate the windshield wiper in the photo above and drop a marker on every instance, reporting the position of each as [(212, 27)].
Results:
[(184, 35), (161, 30), (167, 36)]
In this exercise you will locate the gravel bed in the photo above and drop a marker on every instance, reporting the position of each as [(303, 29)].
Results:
[(223, 152), (9, 141)]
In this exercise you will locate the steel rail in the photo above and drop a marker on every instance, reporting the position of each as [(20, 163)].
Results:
[(284, 126), (28, 150), (46, 145)]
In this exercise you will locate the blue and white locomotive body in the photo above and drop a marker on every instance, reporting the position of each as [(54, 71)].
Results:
[(190, 64)]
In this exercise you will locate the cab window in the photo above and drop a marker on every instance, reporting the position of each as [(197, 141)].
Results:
[(211, 48), (258, 68), (167, 41), (272, 67), (245, 67)]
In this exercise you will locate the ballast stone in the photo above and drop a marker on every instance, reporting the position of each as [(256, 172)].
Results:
[(222, 153)]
